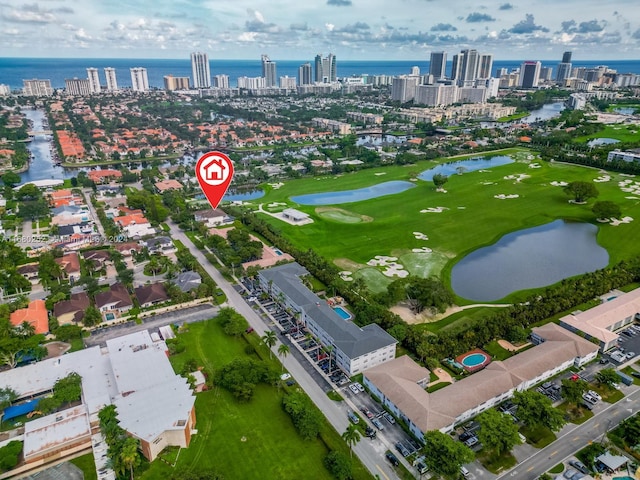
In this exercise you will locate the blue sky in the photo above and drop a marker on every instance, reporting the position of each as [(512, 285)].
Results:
[(299, 29)]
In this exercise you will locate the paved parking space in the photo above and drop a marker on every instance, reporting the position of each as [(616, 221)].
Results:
[(628, 343)]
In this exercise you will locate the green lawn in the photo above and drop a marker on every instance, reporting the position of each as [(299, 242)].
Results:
[(573, 414), (624, 133), (497, 463), (609, 395), (469, 202), (538, 436), (87, 464), (496, 351), (243, 440), (629, 370)]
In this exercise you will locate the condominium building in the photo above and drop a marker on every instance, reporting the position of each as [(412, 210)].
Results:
[(37, 88), (486, 65), (200, 70), (529, 74), (326, 68), (221, 81), (403, 88), (438, 65), (400, 383), (268, 71), (305, 76), (354, 348), (94, 80), (467, 65), (288, 83), (251, 82), (139, 79), (112, 81), (436, 95), (4, 89), (472, 94), (77, 86), (628, 156), (172, 83)]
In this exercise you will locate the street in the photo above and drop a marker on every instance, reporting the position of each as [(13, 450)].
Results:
[(368, 451)]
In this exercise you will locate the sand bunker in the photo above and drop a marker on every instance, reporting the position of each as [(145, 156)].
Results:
[(381, 261), (502, 196), (461, 208), (276, 186), (484, 171), (488, 183), (346, 275), (434, 210), (534, 165), (395, 270), (380, 173), (559, 184), (276, 204), (518, 178), (630, 186), (615, 221), (632, 198), (602, 179), (422, 250), (420, 236)]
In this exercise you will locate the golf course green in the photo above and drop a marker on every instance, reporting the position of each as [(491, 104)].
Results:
[(425, 231)]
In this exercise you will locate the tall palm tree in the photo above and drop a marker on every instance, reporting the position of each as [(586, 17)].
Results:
[(351, 436), (27, 329), (269, 340), (129, 455), (283, 351)]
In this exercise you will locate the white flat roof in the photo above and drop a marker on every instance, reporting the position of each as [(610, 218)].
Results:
[(55, 430)]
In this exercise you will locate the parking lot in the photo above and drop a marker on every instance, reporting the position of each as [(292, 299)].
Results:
[(628, 344)]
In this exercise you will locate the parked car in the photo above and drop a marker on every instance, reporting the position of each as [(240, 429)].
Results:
[(595, 395), (588, 398), (402, 449), (377, 424), (359, 386), (578, 465), (465, 473), (354, 389), (393, 459), (631, 355), (471, 441), (387, 416), (569, 473), (370, 432), (353, 417), (464, 436)]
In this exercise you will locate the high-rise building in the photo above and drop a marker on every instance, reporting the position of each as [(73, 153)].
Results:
[(438, 65), (4, 89), (288, 83), (529, 74), (305, 76), (268, 71), (94, 80), (546, 74), (415, 71), (436, 95), (37, 88), (470, 66), (403, 88), (564, 68), (221, 81), (77, 86), (251, 82), (139, 79), (200, 70), (112, 82), (456, 67), (486, 65), (566, 57), (172, 83), (326, 68)]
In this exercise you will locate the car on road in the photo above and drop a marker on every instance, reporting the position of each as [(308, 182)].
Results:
[(367, 412), (354, 389), (353, 417), (387, 416), (392, 459), (377, 424), (370, 432), (578, 465), (465, 473)]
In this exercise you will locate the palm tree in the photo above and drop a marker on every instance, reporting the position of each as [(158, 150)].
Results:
[(283, 351), (269, 340), (27, 329), (351, 436), (129, 455)]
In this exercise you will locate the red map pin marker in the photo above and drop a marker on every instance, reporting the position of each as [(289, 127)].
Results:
[(214, 171)]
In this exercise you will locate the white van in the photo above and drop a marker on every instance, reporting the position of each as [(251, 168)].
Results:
[(465, 473)]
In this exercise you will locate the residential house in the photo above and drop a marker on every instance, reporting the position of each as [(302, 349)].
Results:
[(97, 259), (212, 217), (149, 295), (114, 302), (70, 215), (354, 348), (30, 272), (70, 264), (399, 384), (104, 176), (72, 310), (188, 281), (35, 314), (128, 248), (159, 245), (166, 185)]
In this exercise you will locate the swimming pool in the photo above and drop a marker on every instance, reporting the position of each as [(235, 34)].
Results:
[(343, 313), (474, 359), (110, 316), (277, 251)]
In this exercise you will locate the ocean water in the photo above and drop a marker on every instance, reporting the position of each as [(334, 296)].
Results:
[(14, 70)]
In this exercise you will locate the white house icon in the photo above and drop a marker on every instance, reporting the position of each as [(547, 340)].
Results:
[(214, 170)]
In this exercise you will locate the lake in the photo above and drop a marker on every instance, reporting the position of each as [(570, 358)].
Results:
[(547, 112), (602, 141), (530, 258), (469, 165), (350, 196)]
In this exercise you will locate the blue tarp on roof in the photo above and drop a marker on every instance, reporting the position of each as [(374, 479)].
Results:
[(22, 409)]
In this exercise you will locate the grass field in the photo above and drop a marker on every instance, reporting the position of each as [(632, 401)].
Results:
[(241, 440), (624, 133), (471, 215)]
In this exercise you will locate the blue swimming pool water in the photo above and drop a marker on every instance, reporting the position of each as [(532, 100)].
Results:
[(474, 359), (343, 313), (110, 316)]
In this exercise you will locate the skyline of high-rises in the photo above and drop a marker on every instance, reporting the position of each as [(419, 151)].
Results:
[(200, 70), (305, 74), (94, 80), (529, 74)]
